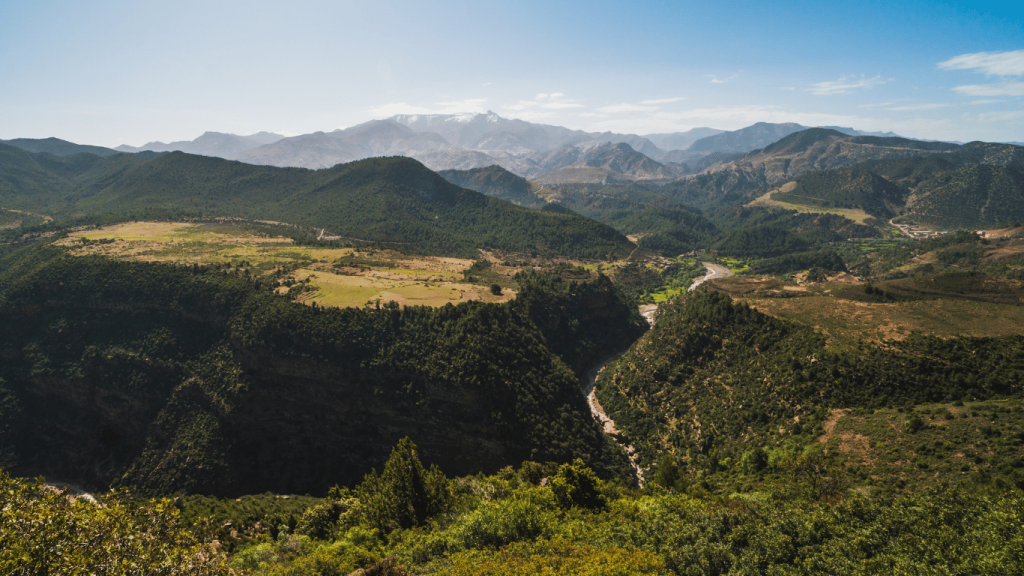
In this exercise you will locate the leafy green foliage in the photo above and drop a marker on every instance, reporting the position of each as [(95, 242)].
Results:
[(575, 485), (237, 521), (808, 522), (557, 556), (47, 531)]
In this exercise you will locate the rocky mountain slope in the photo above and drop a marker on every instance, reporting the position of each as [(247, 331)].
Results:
[(367, 140), (593, 162), (721, 147)]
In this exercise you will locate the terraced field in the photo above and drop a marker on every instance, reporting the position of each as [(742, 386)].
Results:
[(339, 277)]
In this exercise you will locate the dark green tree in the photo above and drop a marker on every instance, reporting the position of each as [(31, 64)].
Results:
[(667, 474), (404, 494)]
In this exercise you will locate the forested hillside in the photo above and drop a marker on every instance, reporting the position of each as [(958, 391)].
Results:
[(500, 183), (170, 379), (978, 185), (394, 201), (718, 381)]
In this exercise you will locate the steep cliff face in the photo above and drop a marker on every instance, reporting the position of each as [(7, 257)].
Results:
[(168, 379)]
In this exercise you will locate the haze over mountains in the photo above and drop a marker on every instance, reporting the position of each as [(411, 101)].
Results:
[(209, 144), (550, 154)]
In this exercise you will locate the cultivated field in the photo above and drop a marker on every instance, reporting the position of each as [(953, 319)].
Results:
[(843, 311), (329, 276)]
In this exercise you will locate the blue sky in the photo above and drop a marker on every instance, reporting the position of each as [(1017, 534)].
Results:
[(111, 73)]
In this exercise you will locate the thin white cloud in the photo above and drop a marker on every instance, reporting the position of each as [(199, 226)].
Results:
[(475, 105), (620, 108), (393, 108), (991, 63), (990, 101), (788, 88), (844, 85), (1008, 116), (542, 106), (662, 101), (913, 107), (997, 89), (470, 105), (716, 80)]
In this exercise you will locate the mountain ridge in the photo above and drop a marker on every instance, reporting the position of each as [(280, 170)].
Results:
[(388, 200)]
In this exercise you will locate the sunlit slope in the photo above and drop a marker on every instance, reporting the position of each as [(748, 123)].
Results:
[(391, 200)]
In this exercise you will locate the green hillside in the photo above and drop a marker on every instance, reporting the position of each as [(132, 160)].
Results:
[(979, 185), (852, 188), (395, 201), (974, 196), (716, 384), (170, 379), (500, 183)]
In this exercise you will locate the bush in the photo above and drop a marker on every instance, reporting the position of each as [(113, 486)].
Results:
[(914, 424), (44, 531), (322, 520), (525, 516), (575, 485)]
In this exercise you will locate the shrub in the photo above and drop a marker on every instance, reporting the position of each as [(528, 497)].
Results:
[(44, 531), (575, 485)]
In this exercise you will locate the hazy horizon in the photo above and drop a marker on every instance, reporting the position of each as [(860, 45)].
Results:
[(109, 74)]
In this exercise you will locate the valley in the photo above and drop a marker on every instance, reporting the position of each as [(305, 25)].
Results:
[(570, 350)]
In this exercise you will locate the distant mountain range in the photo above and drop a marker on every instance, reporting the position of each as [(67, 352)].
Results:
[(550, 154), (210, 144), (57, 147), (939, 184)]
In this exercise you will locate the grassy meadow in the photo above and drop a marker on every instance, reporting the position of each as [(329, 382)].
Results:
[(337, 277)]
